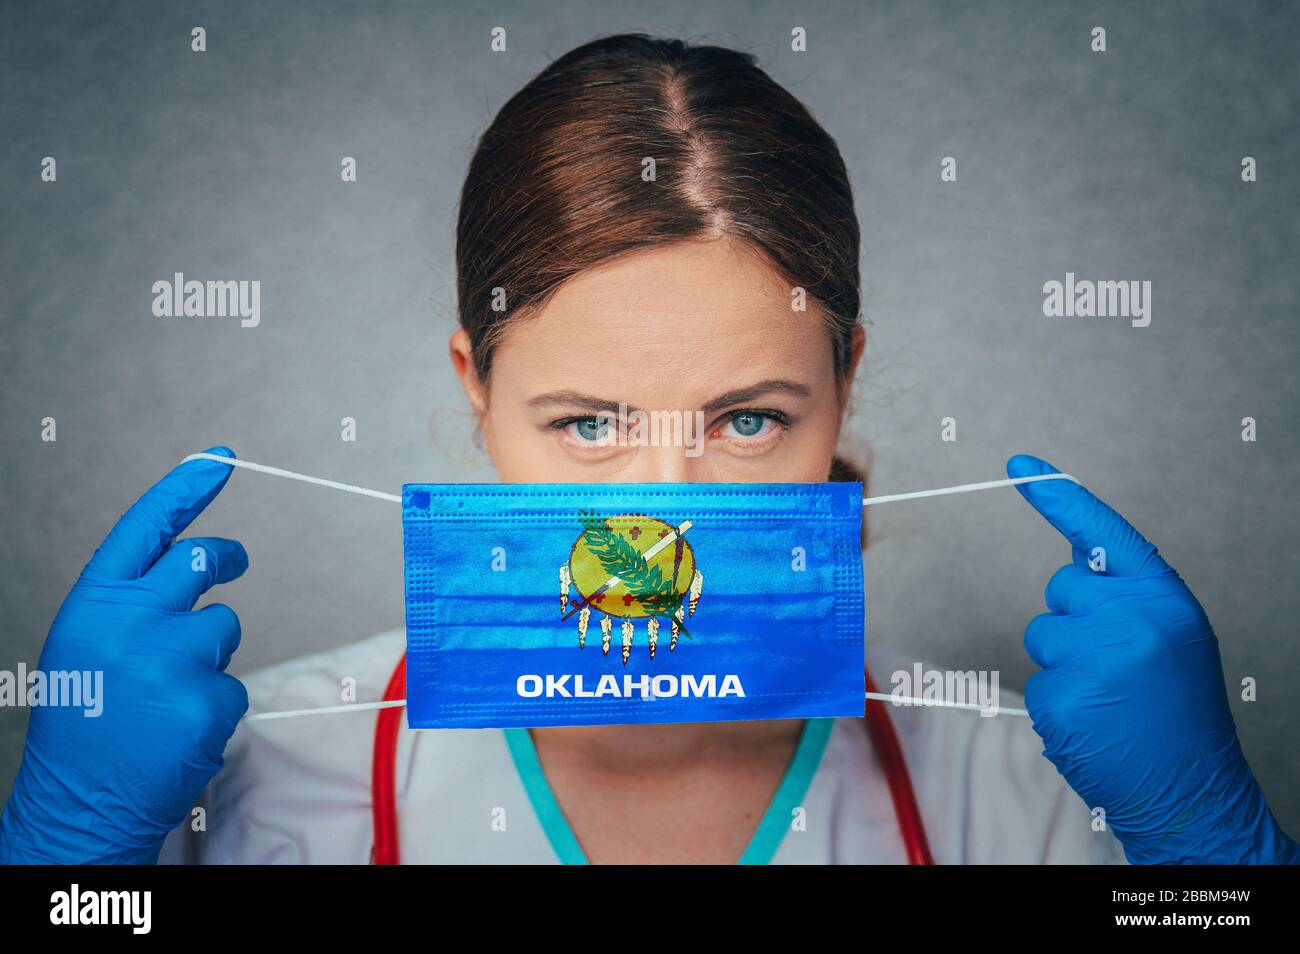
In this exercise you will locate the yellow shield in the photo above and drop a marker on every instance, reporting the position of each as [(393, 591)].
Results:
[(673, 564)]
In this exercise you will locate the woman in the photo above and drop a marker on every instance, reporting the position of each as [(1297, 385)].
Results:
[(640, 225)]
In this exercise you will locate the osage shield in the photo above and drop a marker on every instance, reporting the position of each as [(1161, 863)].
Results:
[(592, 604)]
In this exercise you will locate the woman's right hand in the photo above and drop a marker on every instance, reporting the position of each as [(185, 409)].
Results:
[(105, 781)]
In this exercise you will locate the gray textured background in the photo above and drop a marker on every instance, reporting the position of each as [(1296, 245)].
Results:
[(226, 165)]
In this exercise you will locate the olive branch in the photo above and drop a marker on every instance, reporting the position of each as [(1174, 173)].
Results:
[(619, 558)]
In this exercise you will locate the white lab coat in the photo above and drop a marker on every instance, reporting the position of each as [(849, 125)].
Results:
[(297, 791)]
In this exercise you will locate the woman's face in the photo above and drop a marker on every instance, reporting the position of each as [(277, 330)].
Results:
[(718, 378)]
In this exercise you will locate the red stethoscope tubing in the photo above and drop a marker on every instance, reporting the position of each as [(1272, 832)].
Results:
[(384, 792)]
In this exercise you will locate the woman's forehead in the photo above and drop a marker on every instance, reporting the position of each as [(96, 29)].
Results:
[(672, 320)]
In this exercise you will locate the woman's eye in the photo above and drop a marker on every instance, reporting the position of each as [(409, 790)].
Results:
[(589, 430), (748, 425)]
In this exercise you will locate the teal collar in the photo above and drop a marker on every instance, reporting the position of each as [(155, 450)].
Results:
[(762, 845)]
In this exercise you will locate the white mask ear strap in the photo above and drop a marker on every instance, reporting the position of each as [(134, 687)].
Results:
[(306, 479), (965, 488), (395, 498), (395, 703), (324, 710)]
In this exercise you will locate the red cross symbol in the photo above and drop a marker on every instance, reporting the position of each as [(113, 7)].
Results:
[(598, 598), (627, 599), (634, 532)]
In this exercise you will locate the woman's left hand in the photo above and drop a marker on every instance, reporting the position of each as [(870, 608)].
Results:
[(1130, 702)]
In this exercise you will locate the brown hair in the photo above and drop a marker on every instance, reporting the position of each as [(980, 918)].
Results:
[(556, 185)]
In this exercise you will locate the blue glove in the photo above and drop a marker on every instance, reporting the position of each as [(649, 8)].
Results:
[(1130, 702), (108, 789)]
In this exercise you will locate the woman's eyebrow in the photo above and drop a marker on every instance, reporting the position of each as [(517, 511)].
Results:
[(754, 391), (573, 399), (576, 399)]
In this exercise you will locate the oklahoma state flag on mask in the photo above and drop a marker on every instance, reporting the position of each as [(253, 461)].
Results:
[(533, 605)]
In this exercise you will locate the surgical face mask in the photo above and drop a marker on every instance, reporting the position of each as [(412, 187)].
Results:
[(776, 570), (596, 604)]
